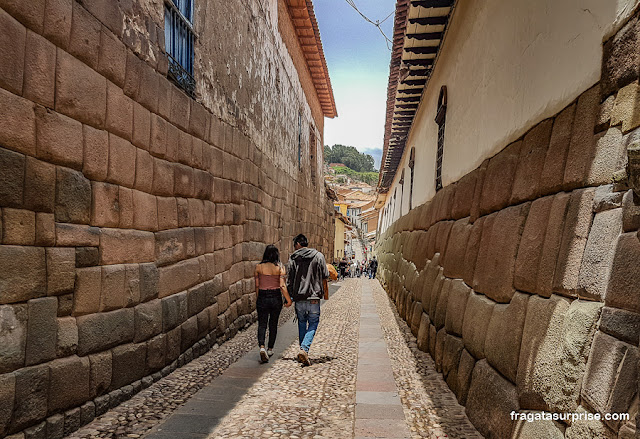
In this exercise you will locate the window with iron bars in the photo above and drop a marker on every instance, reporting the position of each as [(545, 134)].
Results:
[(441, 117), (179, 39)]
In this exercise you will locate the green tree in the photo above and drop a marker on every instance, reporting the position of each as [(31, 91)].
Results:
[(350, 156)]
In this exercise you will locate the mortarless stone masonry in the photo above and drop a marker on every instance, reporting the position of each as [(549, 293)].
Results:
[(547, 276), (131, 215)]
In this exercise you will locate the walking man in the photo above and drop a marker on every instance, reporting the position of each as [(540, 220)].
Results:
[(373, 267), (307, 283)]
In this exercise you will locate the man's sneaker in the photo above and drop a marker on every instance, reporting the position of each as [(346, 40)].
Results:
[(270, 352), (263, 355), (303, 358)]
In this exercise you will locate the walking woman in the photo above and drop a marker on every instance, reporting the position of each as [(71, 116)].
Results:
[(270, 287)]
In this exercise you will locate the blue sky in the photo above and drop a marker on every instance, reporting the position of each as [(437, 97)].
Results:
[(358, 61)]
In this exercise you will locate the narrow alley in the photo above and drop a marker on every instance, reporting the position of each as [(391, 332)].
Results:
[(367, 379)]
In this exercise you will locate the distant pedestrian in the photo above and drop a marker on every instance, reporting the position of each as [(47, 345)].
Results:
[(270, 287), (373, 268), (343, 266), (307, 280)]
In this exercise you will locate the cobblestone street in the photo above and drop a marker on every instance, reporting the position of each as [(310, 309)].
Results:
[(346, 392)]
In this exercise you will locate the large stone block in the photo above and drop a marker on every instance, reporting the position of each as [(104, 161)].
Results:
[(105, 207), (611, 378), (622, 290), (18, 226), (145, 211), (620, 61), (67, 336), (73, 197), (531, 243), (453, 347), (458, 296), (148, 320), (12, 176), (81, 92), (599, 254), (119, 117), (622, 324), (442, 301), (102, 331), (463, 197), (129, 364), (555, 344), (22, 273), (112, 295), (32, 390), (68, 383), (40, 67), (13, 336), (526, 183), (501, 170), (101, 372), (178, 277), (551, 245), (59, 138), (148, 281), (41, 330), (88, 288), (61, 270), (7, 397), (504, 336), (582, 147), (423, 333), (13, 37), (40, 186), (96, 153), (471, 252), (495, 267), (465, 369), (122, 161), (630, 212), (119, 246), (552, 177), (156, 353), (476, 321), (174, 310), (454, 258), (490, 402)]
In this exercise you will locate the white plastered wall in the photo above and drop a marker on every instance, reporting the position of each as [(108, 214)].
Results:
[(507, 65)]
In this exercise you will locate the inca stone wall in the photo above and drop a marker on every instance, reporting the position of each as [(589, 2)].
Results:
[(131, 215), (521, 280)]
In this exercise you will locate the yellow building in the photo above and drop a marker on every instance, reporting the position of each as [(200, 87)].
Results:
[(341, 225)]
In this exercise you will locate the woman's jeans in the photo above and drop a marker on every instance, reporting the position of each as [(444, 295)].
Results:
[(308, 312), (269, 306)]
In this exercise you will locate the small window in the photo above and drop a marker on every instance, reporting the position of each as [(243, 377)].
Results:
[(440, 120), (178, 40), (412, 164)]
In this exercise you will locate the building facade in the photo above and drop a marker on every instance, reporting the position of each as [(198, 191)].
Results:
[(509, 207), (149, 150)]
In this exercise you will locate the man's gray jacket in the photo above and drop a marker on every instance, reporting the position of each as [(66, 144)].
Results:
[(307, 268)]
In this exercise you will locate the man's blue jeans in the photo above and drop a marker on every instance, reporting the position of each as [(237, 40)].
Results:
[(308, 318)]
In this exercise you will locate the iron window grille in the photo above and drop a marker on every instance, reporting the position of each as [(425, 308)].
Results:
[(440, 120), (412, 163), (179, 39)]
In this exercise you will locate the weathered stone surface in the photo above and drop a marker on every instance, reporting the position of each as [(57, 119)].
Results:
[(55, 426), (45, 229), (7, 397), (453, 347), (463, 197), (599, 254), (40, 186), (67, 337), (496, 190), (476, 321), (440, 309), (13, 39), (611, 377), (586, 429), (454, 258), (415, 317), (439, 348), (122, 161), (491, 400), (101, 331), (471, 253), (174, 310), (423, 333), (61, 271), (88, 287), (126, 246), (148, 320), (71, 235), (605, 198), (13, 336), (156, 353), (630, 212), (504, 335), (620, 61), (537, 428), (73, 197), (622, 324), (68, 383), (526, 182), (71, 420), (531, 243), (465, 369), (18, 226), (101, 372), (105, 211), (190, 332), (41, 330), (622, 290), (32, 388), (495, 267), (551, 245), (128, 364), (555, 343), (582, 147), (112, 295), (458, 296), (148, 281), (178, 277), (22, 273)]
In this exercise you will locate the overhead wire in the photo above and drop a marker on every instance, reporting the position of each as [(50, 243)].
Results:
[(376, 23)]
